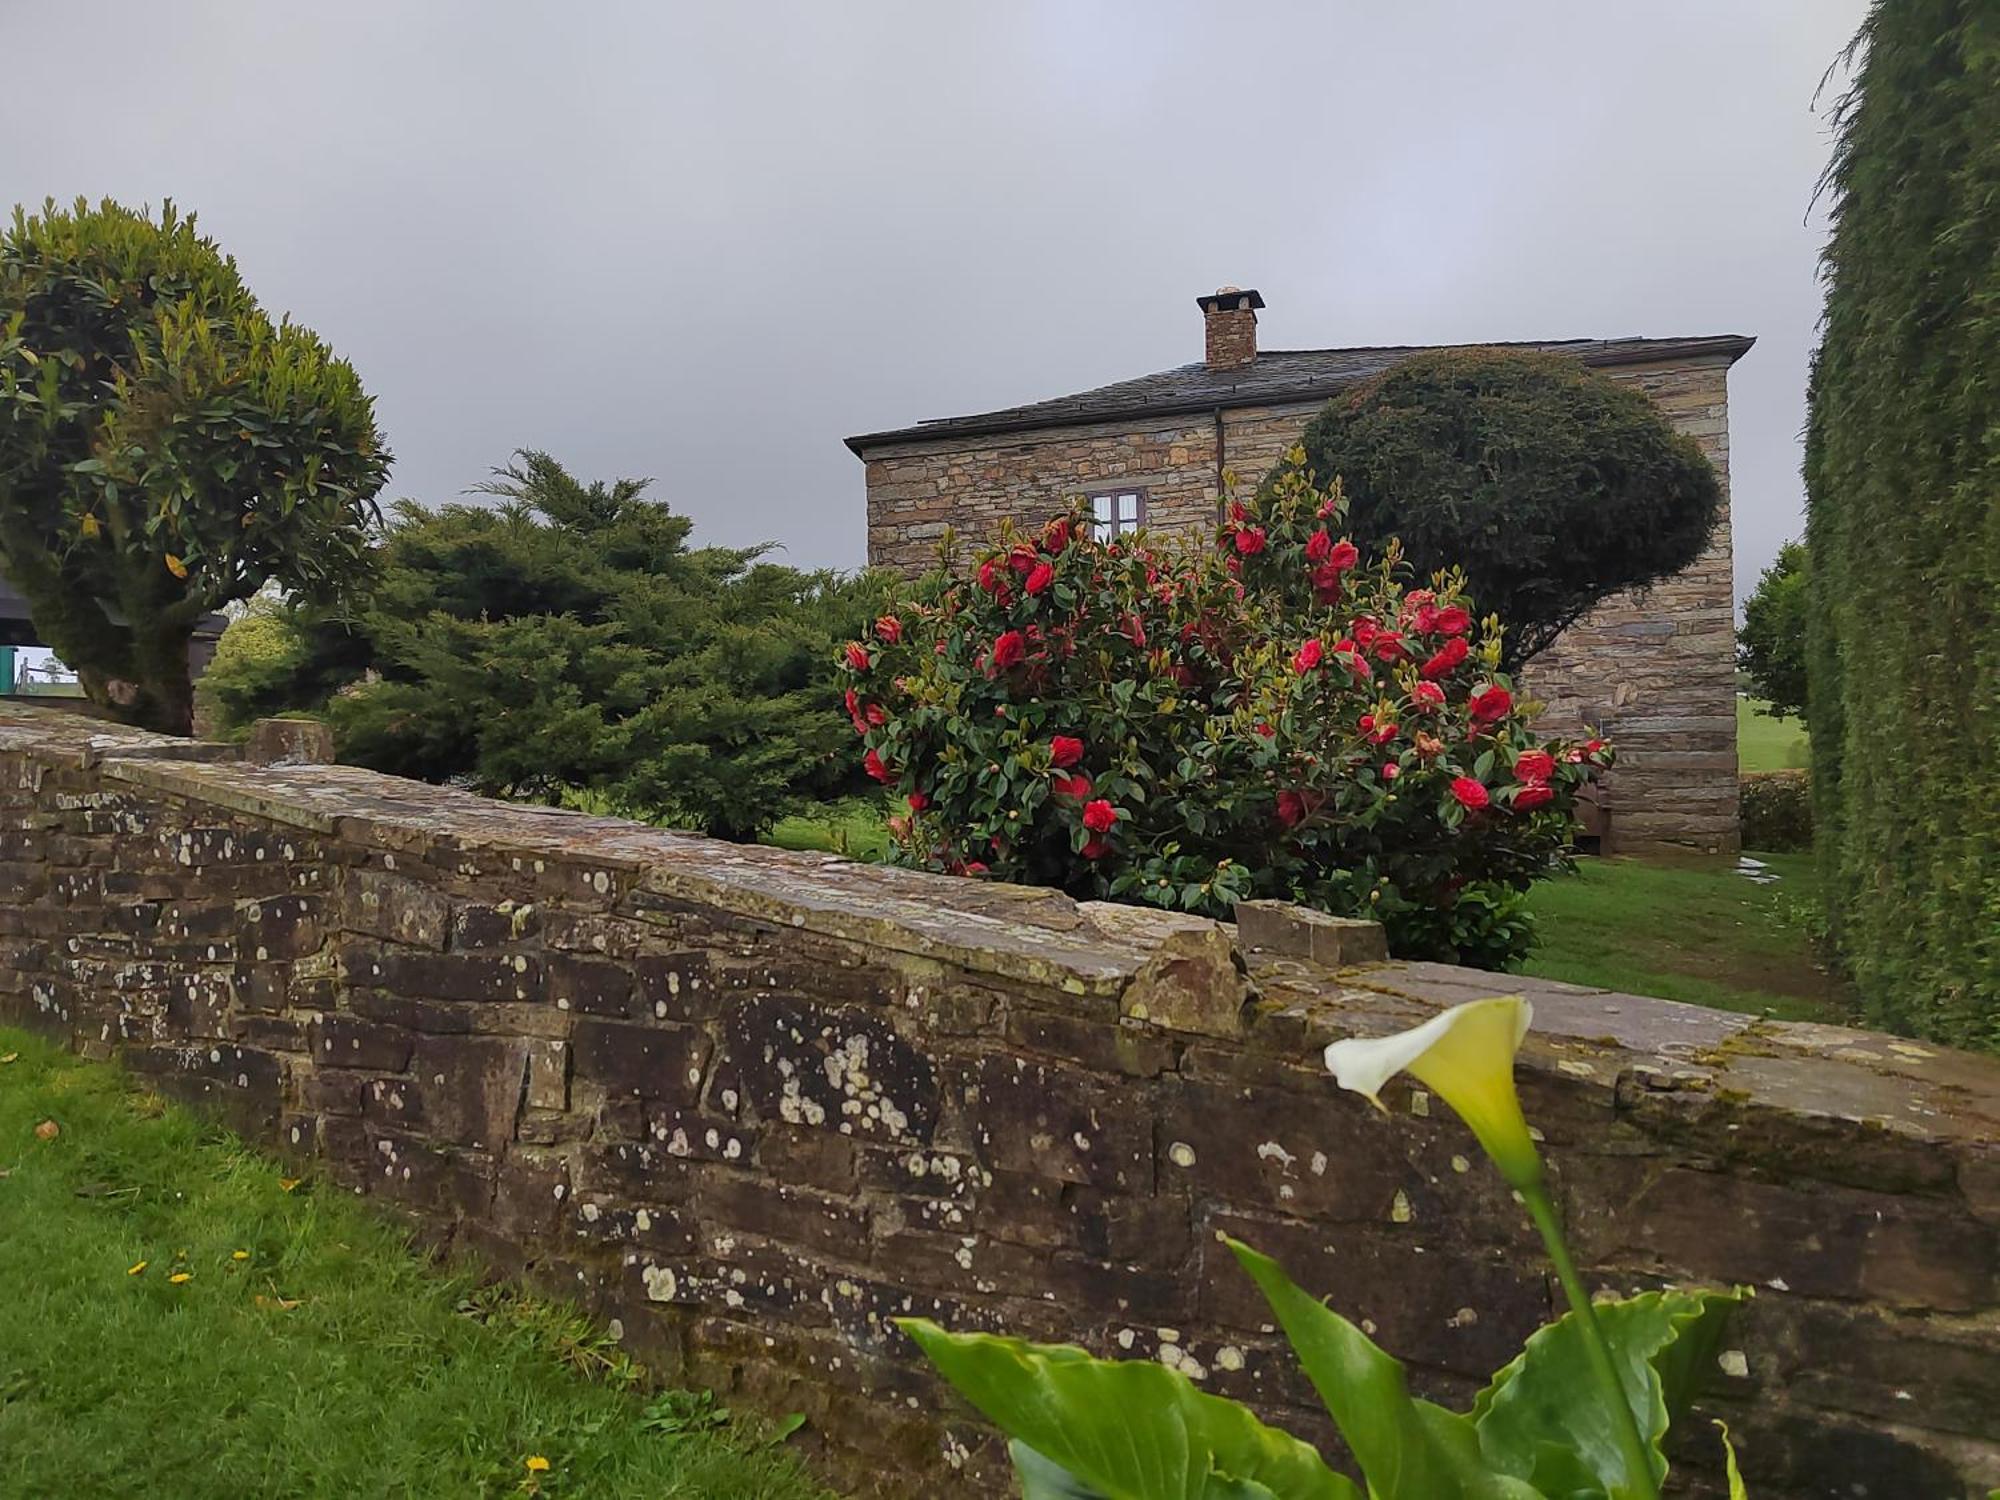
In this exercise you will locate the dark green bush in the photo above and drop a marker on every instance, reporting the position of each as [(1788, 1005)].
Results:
[(1777, 811), (1903, 524), (1552, 485), (1771, 645)]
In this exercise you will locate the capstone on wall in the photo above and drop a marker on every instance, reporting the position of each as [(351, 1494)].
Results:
[(1656, 670), (751, 1105)]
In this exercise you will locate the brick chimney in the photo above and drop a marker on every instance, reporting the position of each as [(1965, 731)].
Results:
[(1231, 316)]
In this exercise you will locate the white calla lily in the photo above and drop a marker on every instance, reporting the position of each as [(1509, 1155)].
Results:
[(1464, 1055)]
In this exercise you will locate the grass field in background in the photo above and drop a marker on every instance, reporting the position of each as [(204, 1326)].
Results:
[(176, 1323), (1694, 931), (1767, 744)]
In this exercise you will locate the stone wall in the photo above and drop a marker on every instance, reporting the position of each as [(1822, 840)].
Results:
[(1657, 670), (753, 1104)]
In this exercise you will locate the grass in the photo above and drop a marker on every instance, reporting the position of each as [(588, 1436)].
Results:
[(1694, 931), (1767, 744), (856, 826), (178, 1320)]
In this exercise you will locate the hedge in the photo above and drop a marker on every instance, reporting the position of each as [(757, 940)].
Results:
[(1903, 524), (1777, 811)]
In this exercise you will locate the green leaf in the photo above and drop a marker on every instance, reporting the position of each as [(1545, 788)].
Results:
[(1736, 1488), (1546, 1399), (1124, 1430), (1409, 1449)]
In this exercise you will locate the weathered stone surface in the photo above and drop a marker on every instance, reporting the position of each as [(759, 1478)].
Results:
[(289, 742), (757, 1105), (1296, 932)]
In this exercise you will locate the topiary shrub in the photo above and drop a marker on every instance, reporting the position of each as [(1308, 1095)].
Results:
[(1552, 485), (1771, 644), (1189, 726), (1777, 810)]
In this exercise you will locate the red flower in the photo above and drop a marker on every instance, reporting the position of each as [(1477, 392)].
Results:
[(889, 628), (1100, 816), (1453, 619), (1135, 630), (1009, 649), (1534, 794), (1427, 696), (1250, 540), (1317, 547), (990, 579), (1039, 579), (1056, 535), (1365, 630), (872, 764), (853, 704), (1326, 583), (1308, 656), (1344, 555), (919, 801), (1291, 809), (1381, 734), (857, 656), (974, 867), (1449, 655), (1076, 787), (1390, 771), (1237, 513), (1095, 848), (1472, 795), (1022, 559), (1534, 765), (1065, 750), (1387, 646), (876, 715), (1490, 704)]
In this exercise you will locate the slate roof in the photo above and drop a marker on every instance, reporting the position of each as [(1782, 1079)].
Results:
[(1277, 377)]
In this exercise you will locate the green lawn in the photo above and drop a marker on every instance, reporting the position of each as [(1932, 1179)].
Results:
[(177, 1322), (1767, 744), (856, 826), (1694, 931)]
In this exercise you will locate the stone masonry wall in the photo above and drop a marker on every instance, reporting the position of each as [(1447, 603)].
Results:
[(752, 1104), (1656, 669)]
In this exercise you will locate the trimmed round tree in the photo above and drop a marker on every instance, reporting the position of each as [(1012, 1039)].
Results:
[(165, 448), (1553, 486), (1771, 645), (1161, 722)]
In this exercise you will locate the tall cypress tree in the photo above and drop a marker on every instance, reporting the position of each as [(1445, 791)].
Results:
[(1903, 482)]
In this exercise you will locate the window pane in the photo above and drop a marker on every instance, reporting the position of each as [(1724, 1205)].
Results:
[(1101, 506)]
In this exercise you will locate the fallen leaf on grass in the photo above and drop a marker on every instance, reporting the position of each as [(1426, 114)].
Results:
[(48, 1130), (135, 1270), (181, 1276), (288, 1183), (10, 1057), (239, 1255), (282, 1304)]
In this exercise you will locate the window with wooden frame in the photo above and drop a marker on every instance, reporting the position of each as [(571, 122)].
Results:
[(1117, 511)]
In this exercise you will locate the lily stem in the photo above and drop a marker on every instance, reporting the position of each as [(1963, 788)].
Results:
[(1626, 1427)]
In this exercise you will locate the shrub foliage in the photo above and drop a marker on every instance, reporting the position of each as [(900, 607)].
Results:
[(569, 639), (1552, 485), (1188, 726), (165, 448), (1903, 524), (1771, 644), (1777, 810)]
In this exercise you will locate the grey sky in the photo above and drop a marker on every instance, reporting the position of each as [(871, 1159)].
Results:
[(707, 242)]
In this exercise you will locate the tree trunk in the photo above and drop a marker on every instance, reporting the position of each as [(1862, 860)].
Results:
[(160, 698)]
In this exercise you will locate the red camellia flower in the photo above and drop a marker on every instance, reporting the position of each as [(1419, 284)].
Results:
[(1009, 649), (1387, 645), (1472, 795), (1075, 787), (1308, 656), (1490, 704), (1390, 771), (1427, 696), (1095, 848), (1344, 555), (989, 577), (1326, 583), (1023, 559), (890, 629), (974, 867), (1317, 547), (1382, 733), (1365, 630), (857, 656), (876, 715), (873, 765), (1250, 540), (1065, 750), (1039, 578), (1291, 809), (1056, 535), (1453, 619), (1534, 794), (1534, 765), (1448, 656), (919, 801), (1100, 816), (1237, 513), (853, 704)]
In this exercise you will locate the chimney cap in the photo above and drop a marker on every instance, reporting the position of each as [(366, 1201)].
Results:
[(1229, 299)]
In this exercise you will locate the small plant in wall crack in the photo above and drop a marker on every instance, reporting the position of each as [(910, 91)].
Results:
[(1580, 1414)]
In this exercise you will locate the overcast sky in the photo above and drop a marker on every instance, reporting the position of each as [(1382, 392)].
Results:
[(706, 243)]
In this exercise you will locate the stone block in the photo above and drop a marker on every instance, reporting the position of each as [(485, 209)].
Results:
[(1281, 928), (289, 742), (647, 1062)]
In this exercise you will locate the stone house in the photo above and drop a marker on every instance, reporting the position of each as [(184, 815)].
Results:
[(1656, 671)]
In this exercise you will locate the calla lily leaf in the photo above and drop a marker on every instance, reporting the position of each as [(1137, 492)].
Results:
[(1097, 1429), (1546, 1403), (1409, 1449)]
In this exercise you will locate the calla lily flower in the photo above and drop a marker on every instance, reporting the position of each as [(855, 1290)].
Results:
[(1465, 1056)]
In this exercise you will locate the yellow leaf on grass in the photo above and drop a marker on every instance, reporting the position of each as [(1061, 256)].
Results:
[(176, 567), (48, 1130), (90, 527), (180, 1276), (283, 1304), (537, 1464), (239, 1255), (288, 1183), (135, 1270), (11, 1057)]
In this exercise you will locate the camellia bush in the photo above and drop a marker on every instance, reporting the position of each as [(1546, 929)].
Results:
[(1193, 723)]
